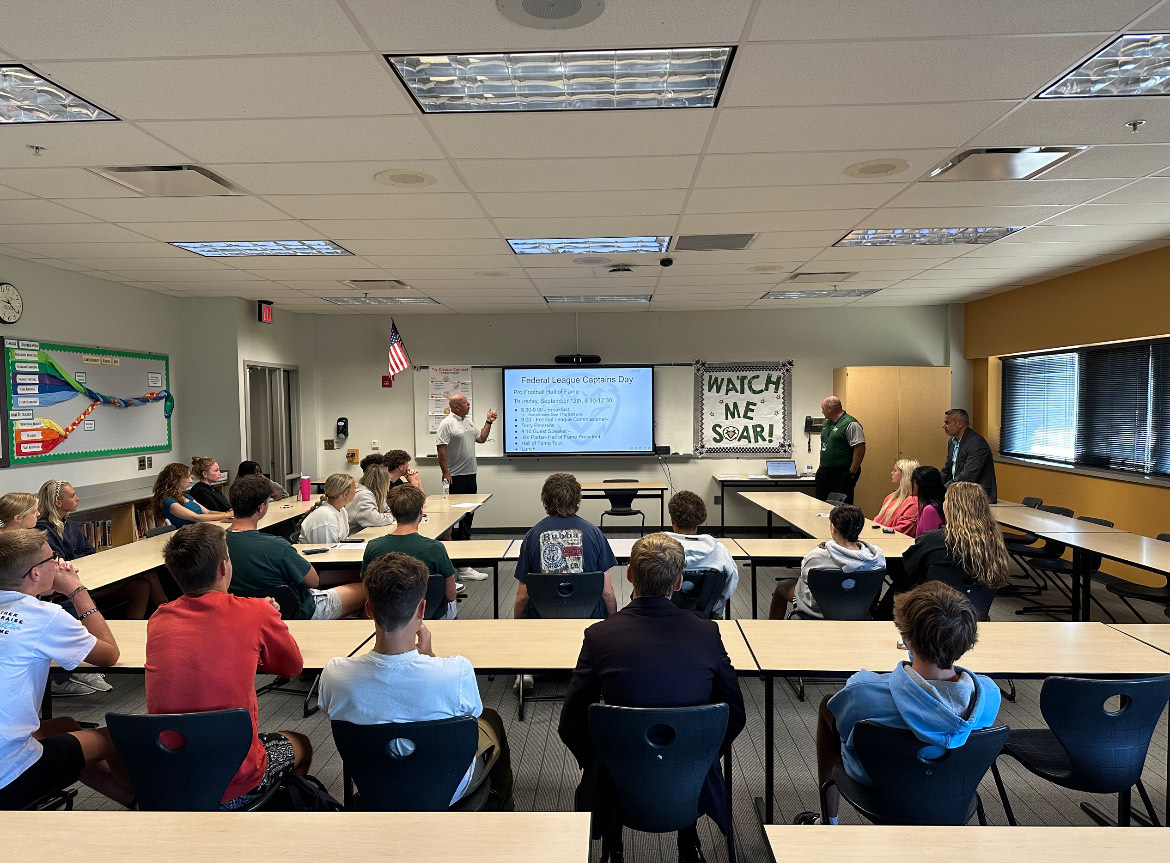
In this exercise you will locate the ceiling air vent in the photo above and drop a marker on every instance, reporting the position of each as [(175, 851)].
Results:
[(169, 181), (819, 278), (712, 242), (375, 284), (1002, 163), (551, 14)]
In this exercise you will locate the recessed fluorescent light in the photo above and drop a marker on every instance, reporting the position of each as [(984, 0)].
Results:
[(264, 248), (623, 298), (848, 293), (26, 97), (590, 245), (565, 80), (924, 236), (1132, 65), (381, 301), (1002, 163)]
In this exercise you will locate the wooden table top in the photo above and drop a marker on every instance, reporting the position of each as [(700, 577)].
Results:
[(1140, 551), (283, 510), (541, 645), (874, 844), (622, 548), (893, 545), (624, 486), (1043, 523), (1156, 635), (270, 837), (785, 501), (351, 552), (440, 515), (761, 478), (115, 564), (1010, 649)]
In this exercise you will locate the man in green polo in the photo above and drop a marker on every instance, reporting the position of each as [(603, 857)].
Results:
[(842, 449)]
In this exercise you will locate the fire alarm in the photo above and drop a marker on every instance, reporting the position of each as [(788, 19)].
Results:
[(264, 311)]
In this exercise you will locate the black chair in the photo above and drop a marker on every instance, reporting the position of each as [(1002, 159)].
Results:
[(1125, 591), (914, 782), (1088, 745), (658, 759), (706, 587), (1024, 553), (840, 595), (561, 595), (62, 798), (1023, 540), (284, 595), (159, 531), (1056, 566), (420, 776), (436, 594), (620, 505), (836, 497), (193, 776)]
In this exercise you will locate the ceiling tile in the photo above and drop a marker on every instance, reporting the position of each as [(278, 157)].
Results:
[(402, 229), (911, 70), (212, 208), (783, 198), (797, 220), (584, 174), (442, 261), (957, 217), (1115, 214), (338, 178), (619, 226), (1117, 160), (63, 183), (82, 144), (808, 169), (88, 232), (393, 249), (280, 269), (193, 277), (858, 254), (102, 250), (796, 239), (216, 232), (24, 212), (1004, 193), (645, 202), (1098, 233), (1150, 191), (1057, 122), (7, 193), (450, 205)]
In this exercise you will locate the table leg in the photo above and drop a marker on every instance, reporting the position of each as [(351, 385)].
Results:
[(1075, 586), (662, 509), (753, 563), (1085, 577), (496, 590), (769, 524), (769, 758), (727, 788), (722, 509)]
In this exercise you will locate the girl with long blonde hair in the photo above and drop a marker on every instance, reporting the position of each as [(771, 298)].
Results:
[(369, 507), (900, 508), (328, 520), (18, 509)]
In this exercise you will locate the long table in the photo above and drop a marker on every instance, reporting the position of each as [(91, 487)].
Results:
[(802, 512), (830, 648), (741, 481), (298, 837), (439, 514)]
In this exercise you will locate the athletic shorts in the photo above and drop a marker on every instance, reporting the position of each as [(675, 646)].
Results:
[(59, 766), (327, 604), (280, 763)]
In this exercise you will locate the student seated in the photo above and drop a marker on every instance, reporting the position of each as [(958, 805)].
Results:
[(687, 514), (846, 551), (970, 540), (369, 507), (170, 501), (397, 462), (203, 652), (251, 468), (18, 511), (39, 757), (328, 520), (900, 508), (563, 542), (401, 679), (206, 471), (406, 504), (264, 562), (930, 695), (927, 487)]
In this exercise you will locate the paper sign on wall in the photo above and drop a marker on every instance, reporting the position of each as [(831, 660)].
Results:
[(445, 382), (743, 408)]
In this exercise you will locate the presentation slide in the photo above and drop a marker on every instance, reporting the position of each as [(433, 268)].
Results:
[(603, 409)]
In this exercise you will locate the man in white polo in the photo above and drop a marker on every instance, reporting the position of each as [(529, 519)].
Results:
[(455, 444)]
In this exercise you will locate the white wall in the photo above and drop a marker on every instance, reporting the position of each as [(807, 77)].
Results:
[(77, 309), (351, 358)]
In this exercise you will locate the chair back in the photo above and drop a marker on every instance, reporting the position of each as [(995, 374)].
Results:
[(981, 597), (406, 766), (1106, 743), (1164, 537), (1052, 548), (187, 769), (620, 501), (835, 497), (706, 588), (844, 595), (571, 595), (159, 531), (436, 594), (658, 759), (1094, 558), (920, 784), (284, 595), (1032, 502)]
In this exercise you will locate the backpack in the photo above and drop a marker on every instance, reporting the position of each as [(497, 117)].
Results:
[(304, 794)]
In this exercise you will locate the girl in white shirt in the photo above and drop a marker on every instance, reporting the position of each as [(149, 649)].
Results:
[(328, 520)]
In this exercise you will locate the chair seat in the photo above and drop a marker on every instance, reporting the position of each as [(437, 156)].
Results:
[(1040, 752), (866, 800), (623, 511), (1141, 591), (1053, 564)]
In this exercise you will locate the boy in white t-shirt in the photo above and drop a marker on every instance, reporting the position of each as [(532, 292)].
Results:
[(37, 757), (401, 679)]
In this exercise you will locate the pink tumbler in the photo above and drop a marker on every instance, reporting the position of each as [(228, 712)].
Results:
[(306, 491)]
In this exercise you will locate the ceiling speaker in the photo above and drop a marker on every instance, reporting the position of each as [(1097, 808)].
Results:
[(551, 14)]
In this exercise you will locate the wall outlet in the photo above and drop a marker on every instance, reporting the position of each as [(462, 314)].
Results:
[(329, 443), (142, 462), (374, 445)]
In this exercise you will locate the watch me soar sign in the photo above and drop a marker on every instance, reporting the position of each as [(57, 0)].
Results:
[(743, 408)]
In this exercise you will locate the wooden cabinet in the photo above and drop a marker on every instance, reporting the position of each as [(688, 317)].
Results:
[(901, 409)]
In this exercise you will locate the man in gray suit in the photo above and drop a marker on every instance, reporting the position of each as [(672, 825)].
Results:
[(968, 454)]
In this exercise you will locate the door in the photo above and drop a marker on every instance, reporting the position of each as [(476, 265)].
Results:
[(272, 420)]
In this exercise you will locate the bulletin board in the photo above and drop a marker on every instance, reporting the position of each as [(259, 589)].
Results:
[(67, 402)]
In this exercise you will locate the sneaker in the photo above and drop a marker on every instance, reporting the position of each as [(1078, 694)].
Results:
[(70, 687), (469, 574), (527, 678), (458, 586), (97, 681), (808, 818)]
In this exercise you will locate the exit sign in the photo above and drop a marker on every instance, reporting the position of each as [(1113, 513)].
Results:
[(264, 311)]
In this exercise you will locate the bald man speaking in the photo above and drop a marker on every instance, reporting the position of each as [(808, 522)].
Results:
[(455, 444), (842, 449)]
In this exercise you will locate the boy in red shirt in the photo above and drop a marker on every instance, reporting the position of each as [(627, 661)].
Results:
[(204, 649)]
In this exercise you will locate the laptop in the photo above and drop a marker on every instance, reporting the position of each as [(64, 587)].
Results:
[(780, 467)]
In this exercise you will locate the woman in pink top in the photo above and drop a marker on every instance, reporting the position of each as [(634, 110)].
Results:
[(900, 508), (927, 486)]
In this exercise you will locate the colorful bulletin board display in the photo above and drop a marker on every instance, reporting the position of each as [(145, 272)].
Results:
[(445, 382), (74, 402), (743, 408)]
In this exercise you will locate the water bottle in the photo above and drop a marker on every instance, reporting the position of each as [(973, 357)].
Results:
[(446, 491), (808, 471)]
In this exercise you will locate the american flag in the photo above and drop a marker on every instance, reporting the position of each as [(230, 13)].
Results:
[(398, 359)]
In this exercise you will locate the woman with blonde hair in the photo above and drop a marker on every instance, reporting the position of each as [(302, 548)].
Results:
[(900, 508), (206, 471), (970, 540), (328, 520), (18, 509), (169, 499), (369, 507)]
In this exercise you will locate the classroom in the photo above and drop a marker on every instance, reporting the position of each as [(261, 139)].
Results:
[(756, 214)]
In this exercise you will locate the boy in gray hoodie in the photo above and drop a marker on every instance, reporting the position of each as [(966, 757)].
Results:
[(930, 695), (687, 514)]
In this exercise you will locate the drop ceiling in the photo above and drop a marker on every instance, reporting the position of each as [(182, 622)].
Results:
[(293, 104)]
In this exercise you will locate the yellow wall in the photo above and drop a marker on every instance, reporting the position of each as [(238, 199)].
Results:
[(1127, 299)]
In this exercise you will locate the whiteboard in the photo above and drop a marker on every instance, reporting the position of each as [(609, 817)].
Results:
[(673, 409)]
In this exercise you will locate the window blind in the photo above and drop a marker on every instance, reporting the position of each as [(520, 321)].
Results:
[(1040, 407)]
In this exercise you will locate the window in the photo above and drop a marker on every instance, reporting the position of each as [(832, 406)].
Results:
[(1105, 407)]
